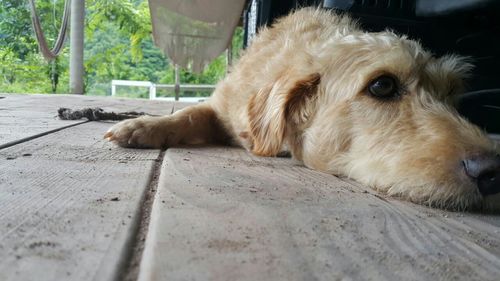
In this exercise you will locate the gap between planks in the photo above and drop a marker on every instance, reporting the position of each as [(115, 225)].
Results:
[(127, 264), (133, 257), (12, 143)]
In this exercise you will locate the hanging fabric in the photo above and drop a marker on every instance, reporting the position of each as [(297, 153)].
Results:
[(194, 32), (50, 54)]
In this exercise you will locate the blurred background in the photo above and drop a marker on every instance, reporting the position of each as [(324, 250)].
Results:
[(118, 46)]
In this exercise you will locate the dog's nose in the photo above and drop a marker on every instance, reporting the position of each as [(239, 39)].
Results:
[(485, 170)]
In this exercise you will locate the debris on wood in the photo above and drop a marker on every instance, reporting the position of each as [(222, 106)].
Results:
[(96, 114)]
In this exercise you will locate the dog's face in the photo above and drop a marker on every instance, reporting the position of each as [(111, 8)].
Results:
[(377, 110)]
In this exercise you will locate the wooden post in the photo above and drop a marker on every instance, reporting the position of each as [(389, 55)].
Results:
[(152, 91), (177, 88), (76, 70)]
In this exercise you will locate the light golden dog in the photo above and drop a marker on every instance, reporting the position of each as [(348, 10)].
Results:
[(370, 106)]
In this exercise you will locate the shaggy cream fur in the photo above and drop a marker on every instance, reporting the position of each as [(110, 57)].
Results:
[(303, 85)]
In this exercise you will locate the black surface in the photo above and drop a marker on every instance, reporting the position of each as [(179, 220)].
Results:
[(448, 7)]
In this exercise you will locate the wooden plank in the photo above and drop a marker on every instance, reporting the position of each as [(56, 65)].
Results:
[(222, 214), (22, 116), (180, 105), (69, 203)]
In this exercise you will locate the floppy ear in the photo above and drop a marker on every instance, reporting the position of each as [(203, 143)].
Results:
[(450, 71), (456, 66), (273, 106)]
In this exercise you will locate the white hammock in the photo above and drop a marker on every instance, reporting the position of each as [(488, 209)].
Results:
[(194, 32)]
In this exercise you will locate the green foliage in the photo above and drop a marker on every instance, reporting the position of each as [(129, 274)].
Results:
[(118, 45), (108, 56), (132, 19), (23, 69)]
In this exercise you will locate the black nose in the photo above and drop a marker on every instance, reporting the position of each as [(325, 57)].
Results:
[(485, 170)]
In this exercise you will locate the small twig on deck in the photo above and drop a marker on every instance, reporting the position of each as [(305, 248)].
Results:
[(96, 114)]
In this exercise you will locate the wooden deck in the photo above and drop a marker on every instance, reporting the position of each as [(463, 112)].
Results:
[(74, 207)]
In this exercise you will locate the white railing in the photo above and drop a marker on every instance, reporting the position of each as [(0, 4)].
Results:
[(177, 88)]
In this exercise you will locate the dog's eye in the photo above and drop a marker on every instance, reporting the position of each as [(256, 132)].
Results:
[(384, 86)]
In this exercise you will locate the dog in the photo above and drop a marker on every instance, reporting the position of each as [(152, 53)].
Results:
[(374, 107)]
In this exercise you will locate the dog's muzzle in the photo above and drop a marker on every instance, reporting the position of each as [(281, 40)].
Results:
[(484, 169)]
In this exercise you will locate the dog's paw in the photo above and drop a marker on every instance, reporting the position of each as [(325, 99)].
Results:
[(142, 132)]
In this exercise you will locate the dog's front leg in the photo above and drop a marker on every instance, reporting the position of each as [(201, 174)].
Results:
[(196, 124)]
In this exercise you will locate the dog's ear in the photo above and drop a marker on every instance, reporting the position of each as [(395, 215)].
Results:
[(449, 72), (457, 66), (273, 106)]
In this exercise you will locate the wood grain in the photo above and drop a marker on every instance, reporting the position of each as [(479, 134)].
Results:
[(69, 200), (22, 116), (222, 214), (67, 205)]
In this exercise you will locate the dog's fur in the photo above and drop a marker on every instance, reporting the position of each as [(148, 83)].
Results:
[(302, 86)]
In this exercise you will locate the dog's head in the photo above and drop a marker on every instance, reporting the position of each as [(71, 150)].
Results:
[(375, 107)]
